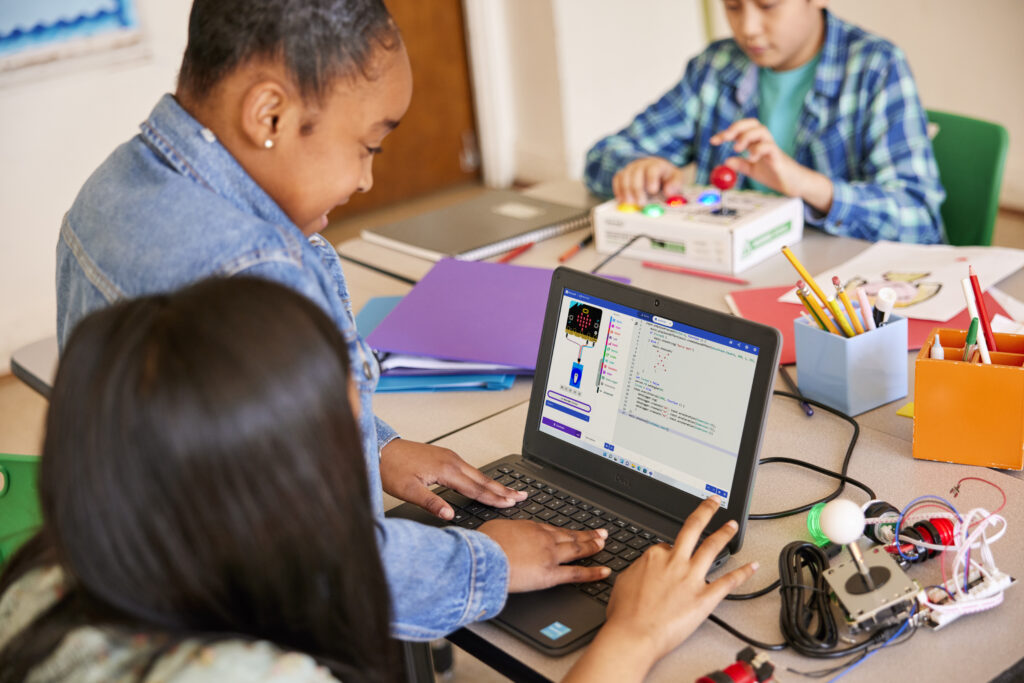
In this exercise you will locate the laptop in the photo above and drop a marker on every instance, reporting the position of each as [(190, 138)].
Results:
[(490, 223), (642, 406)]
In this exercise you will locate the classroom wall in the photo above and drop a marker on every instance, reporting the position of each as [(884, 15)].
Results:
[(54, 131), (583, 67)]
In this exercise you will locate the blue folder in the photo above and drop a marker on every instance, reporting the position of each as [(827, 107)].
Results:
[(377, 309)]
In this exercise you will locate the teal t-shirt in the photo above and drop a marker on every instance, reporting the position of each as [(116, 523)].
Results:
[(781, 98)]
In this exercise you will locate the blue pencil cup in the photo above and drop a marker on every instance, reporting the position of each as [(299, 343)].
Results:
[(852, 374)]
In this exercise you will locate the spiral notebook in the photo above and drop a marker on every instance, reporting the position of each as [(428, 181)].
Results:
[(491, 223)]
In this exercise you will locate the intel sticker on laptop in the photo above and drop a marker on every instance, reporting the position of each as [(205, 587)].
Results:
[(556, 630)]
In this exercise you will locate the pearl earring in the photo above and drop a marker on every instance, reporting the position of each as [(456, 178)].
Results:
[(268, 143)]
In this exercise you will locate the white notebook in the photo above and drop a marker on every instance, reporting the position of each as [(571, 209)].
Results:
[(491, 223)]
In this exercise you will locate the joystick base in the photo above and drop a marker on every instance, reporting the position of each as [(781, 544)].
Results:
[(891, 601)]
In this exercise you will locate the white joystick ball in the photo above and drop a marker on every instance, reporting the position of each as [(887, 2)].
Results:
[(842, 521)]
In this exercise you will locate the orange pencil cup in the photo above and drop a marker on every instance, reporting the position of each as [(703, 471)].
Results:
[(967, 412)]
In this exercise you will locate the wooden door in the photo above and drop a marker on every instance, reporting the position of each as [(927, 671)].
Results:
[(435, 146)]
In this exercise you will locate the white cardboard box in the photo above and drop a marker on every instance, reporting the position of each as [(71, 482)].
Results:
[(695, 235)]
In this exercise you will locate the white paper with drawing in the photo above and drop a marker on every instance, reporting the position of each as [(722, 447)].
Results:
[(926, 277)]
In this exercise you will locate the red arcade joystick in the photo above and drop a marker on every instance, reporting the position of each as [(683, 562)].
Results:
[(724, 178)]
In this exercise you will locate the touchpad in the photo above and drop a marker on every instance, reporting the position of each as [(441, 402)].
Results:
[(556, 619)]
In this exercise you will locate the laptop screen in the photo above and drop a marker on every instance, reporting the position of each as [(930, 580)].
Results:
[(653, 395)]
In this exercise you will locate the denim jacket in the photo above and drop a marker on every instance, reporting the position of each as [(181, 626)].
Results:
[(172, 206)]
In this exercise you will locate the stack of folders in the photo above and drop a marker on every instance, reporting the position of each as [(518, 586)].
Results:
[(403, 372), (465, 325)]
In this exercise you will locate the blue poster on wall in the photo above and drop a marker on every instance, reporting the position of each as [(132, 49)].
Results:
[(33, 24)]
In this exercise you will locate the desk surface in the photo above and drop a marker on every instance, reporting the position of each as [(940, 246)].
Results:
[(882, 459)]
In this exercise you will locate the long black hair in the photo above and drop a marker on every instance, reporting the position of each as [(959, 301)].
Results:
[(202, 476), (318, 41)]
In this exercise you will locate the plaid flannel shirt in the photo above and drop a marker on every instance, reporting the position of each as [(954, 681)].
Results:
[(862, 125)]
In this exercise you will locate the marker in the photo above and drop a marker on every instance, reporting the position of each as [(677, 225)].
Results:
[(986, 328), (936, 351), (571, 251), (972, 311), (848, 305), (837, 313), (885, 300), (815, 308), (865, 309), (972, 337)]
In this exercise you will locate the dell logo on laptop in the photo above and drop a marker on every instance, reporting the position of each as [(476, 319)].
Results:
[(622, 480)]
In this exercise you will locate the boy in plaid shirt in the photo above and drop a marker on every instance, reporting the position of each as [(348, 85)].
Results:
[(801, 103)]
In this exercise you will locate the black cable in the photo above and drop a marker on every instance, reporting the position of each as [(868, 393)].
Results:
[(756, 594), (746, 639), (841, 476), (806, 618), (599, 266)]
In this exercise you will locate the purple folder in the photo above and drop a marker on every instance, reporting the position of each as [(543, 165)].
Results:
[(470, 311)]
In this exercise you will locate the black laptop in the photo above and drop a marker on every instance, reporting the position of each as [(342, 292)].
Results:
[(642, 406)]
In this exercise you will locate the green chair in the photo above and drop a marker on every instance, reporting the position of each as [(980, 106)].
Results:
[(20, 516), (970, 154)]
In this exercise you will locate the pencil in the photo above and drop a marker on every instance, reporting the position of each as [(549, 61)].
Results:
[(816, 308), (837, 313), (571, 251), (848, 305), (807, 305), (508, 256), (865, 309), (805, 275), (697, 273)]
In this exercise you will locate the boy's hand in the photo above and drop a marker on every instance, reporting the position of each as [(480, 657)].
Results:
[(645, 178), (537, 553), (409, 468), (770, 166), (663, 597)]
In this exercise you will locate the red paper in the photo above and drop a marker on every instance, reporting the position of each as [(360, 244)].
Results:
[(762, 305)]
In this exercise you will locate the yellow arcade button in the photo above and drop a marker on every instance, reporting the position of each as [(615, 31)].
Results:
[(626, 207)]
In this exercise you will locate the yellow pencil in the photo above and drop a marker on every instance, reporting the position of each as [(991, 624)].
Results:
[(816, 308), (837, 313), (805, 275), (814, 316), (848, 305)]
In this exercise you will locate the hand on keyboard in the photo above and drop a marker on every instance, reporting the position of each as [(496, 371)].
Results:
[(408, 468), (537, 553), (662, 598)]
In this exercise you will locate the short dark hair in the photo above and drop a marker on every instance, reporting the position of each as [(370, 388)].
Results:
[(318, 41), (203, 477)]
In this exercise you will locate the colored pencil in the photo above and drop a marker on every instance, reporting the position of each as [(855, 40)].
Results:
[(697, 273), (508, 256)]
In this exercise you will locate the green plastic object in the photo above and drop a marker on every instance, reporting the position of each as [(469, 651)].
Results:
[(20, 516), (818, 536), (970, 154)]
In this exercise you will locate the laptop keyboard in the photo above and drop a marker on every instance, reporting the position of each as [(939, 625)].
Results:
[(546, 504)]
